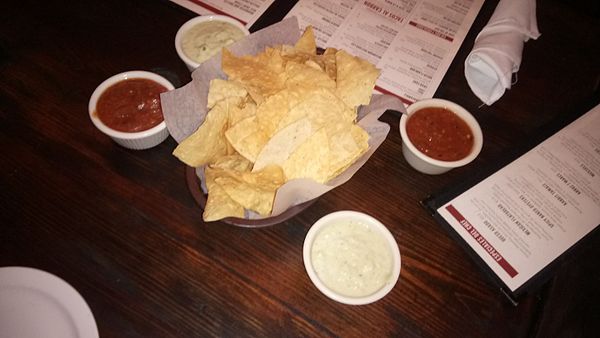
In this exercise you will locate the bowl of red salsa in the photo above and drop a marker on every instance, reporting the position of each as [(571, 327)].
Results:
[(439, 135), (127, 108)]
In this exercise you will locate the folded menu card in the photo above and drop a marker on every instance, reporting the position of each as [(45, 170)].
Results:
[(521, 219)]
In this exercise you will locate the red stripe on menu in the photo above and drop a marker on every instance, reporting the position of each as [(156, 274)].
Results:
[(215, 10), (482, 241), (407, 101), (429, 30)]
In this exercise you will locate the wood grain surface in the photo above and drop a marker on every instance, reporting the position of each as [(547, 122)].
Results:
[(122, 228)]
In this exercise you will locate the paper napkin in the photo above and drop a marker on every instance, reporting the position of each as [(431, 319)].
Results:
[(498, 48)]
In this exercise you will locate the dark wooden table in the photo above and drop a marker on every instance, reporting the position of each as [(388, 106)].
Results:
[(122, 228)]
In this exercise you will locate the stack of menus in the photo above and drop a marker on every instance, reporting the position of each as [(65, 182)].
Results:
[(521, 221)]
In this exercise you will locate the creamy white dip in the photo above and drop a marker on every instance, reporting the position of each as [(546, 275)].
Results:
[(351, 258), (206, 39)]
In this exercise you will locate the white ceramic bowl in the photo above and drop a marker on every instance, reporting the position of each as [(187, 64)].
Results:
[(191, 64), (374, 225), (426, 164), (138, 140)]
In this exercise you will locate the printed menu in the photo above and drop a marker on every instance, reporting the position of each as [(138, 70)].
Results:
[(246, 11), (524, 216), (413, 42)]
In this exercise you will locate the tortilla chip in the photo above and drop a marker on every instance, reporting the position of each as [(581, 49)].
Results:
[(310, 159), (328, 62), (321, 106), (234, 162), (355, 79), (238, 113), (254, 191), (277, 107), (347, 142), (307, 43), (304, 75), (247, 138), (263, 79), (208, 142), (283, 143), (218, 203), (220, 89)]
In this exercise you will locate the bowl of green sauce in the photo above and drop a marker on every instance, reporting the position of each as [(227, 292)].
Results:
[(351, 257), (202, 37)]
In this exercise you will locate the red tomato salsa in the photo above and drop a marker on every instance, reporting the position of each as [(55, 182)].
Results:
[(131, 105), (440, 134)]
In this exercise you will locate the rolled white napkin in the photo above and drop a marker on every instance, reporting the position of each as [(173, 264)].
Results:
[(498, 48)]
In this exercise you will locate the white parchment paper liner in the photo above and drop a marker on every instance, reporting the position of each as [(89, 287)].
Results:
[(184, 110)]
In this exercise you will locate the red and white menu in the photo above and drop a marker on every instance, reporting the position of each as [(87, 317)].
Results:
[(528, 213), (246, 11), (413, 42)]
